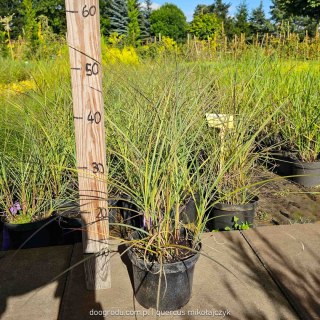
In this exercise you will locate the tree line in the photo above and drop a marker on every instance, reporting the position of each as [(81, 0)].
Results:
[(285, 14), (135, 21)]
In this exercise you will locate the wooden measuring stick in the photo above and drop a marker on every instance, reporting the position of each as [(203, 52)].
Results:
[(83, 21)]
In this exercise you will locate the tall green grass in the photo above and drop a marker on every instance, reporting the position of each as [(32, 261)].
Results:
[(155, 123), (37, 144)]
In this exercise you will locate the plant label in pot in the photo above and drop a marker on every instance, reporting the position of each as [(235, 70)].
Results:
[(220, 121)]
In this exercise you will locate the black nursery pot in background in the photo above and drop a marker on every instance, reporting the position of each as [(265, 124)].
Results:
[(189, 213), (222, 215), (40, 234), (129, 212), (281, 163), (71, 225), (131, 217), (71, 229), (307, 173)]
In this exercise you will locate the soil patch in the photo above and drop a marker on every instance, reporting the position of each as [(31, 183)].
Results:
[(282, 201)]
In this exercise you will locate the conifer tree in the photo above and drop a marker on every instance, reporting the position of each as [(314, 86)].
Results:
[(119, 19), (309, 8), (104, 17), (202, 9), (241, 24), (134, 30), (220, 9), (146, 18), (258, 21), (285, 21)]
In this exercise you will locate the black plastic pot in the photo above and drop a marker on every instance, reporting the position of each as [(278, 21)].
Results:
[(129, 211), (222, 215), (281, 163), (39, 234), (175, 287), (189, 213), (71, 229), (308, 173), (130, 216), (4, 238)]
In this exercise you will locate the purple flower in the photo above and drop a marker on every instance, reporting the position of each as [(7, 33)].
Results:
[(15, 208)]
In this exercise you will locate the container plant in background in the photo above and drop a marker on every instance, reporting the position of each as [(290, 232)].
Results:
[(234, 168), (27, 202), (37, 154), (29, 199), (301, 132), (292, 133)]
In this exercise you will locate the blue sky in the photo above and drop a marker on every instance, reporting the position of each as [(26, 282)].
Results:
[(189, 5)]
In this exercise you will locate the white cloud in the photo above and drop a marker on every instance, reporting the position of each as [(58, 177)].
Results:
[(154, 5)]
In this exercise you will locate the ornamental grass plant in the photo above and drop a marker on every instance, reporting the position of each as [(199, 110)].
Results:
[(300, 127), (25, 194), (156, 146), (37, 152), (237, 158)]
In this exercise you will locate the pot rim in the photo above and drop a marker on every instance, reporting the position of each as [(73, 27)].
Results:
[(237, 207), (168, 266), (29, 225), (307, 165), (284, 153)]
